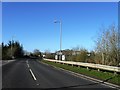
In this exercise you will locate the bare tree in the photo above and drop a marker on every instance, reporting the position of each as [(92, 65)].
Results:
[(107, 46), (37, 53)]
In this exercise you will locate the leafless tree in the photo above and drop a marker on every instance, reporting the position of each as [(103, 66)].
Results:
[(107, 49)]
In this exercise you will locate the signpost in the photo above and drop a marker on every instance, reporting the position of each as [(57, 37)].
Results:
[(56, 57), (63, 57)]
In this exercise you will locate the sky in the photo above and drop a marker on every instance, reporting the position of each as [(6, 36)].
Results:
[(32, 23)]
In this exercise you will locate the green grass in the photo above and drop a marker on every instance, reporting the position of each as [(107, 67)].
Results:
[(89, 72)]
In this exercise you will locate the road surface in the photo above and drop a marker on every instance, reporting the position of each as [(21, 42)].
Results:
[(31, 73)]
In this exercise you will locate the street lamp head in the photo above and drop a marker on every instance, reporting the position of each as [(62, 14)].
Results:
[(56, 21)]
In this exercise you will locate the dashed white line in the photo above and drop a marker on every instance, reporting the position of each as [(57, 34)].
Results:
[(31, 71), (28, 65), (32, 75), (27, 61)]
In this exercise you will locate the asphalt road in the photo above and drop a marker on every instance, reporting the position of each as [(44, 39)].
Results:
[(30, 73)]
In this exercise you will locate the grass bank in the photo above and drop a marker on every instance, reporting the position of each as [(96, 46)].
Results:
[(102, 75)]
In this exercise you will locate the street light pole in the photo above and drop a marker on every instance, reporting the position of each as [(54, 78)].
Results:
[(60, 37), (12, 48)]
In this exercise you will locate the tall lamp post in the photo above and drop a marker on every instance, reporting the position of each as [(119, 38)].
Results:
[(12, 48), (60, 22)]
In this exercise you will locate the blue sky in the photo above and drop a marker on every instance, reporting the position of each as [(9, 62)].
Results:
[(32, 24)]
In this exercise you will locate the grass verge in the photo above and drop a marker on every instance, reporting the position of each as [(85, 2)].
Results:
[(105, 76)]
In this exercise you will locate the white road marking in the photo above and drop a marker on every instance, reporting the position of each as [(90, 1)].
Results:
[(4, 62), (90, 79), (27, 61), (86, 77), (28, 65), (32, 75), (37, 84)]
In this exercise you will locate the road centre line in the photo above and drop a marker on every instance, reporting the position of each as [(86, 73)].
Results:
[(32, 74), (28, 65), (27, 61)]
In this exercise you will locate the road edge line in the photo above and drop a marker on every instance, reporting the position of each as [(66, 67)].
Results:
[(84, 76)]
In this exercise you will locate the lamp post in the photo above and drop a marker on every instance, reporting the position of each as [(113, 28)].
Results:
[(12, 48), (60, 22)]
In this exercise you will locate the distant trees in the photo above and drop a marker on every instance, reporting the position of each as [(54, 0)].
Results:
[(75, 54), (82, 56), (12, 49), (79, 54), (49, 55), (37, 53)]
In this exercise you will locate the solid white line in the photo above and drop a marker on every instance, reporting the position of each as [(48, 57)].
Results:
[(90, 78), (87, 78), (32, 74)]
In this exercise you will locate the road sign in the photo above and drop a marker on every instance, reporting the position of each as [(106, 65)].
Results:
[(63, 57), (56, 57)]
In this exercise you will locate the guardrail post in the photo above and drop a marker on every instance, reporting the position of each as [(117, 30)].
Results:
[(115, 73), (87, 68), (72, 65), (98, 70)]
